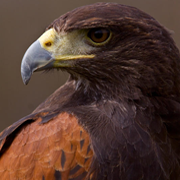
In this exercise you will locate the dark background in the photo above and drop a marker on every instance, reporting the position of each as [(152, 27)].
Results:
[(22, 22)]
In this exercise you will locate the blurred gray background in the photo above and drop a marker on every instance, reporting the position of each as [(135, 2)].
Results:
[(22, 22)]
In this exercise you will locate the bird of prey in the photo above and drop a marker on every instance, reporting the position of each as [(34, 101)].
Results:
[(118, 115)]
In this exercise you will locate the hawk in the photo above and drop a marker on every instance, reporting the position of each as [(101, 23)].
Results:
[(118, 115)]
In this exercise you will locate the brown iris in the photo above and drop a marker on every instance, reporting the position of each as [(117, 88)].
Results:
[(99, 35)]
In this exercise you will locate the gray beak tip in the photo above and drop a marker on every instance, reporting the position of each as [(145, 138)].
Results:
[(26, 76), (26, 71), (25, 81)]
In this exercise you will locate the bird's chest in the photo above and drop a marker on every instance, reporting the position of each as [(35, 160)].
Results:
[(122, 139)]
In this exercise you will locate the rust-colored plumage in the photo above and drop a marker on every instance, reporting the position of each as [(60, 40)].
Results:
[(58, 148), (118, 115)]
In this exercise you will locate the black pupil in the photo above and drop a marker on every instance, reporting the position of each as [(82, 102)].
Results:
[(98, 34)]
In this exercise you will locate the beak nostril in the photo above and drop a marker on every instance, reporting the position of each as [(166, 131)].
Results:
[(48, 44)]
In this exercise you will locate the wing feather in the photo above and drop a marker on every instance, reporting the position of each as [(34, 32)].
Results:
[(41, 151)]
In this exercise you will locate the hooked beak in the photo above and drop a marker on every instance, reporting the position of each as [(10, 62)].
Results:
[(36, 58), (52, 51)]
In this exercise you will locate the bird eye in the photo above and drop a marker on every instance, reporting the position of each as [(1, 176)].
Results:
[(99, 35)]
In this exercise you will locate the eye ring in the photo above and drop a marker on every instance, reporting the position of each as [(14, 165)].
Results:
[(99, 35)]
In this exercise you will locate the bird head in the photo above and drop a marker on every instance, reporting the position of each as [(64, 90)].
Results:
[(110, 47)]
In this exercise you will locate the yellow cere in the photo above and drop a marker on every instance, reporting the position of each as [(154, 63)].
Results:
[(66, 46), (47, 38)]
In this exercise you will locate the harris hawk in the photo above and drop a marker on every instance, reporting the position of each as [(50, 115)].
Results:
[(118, 115)]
